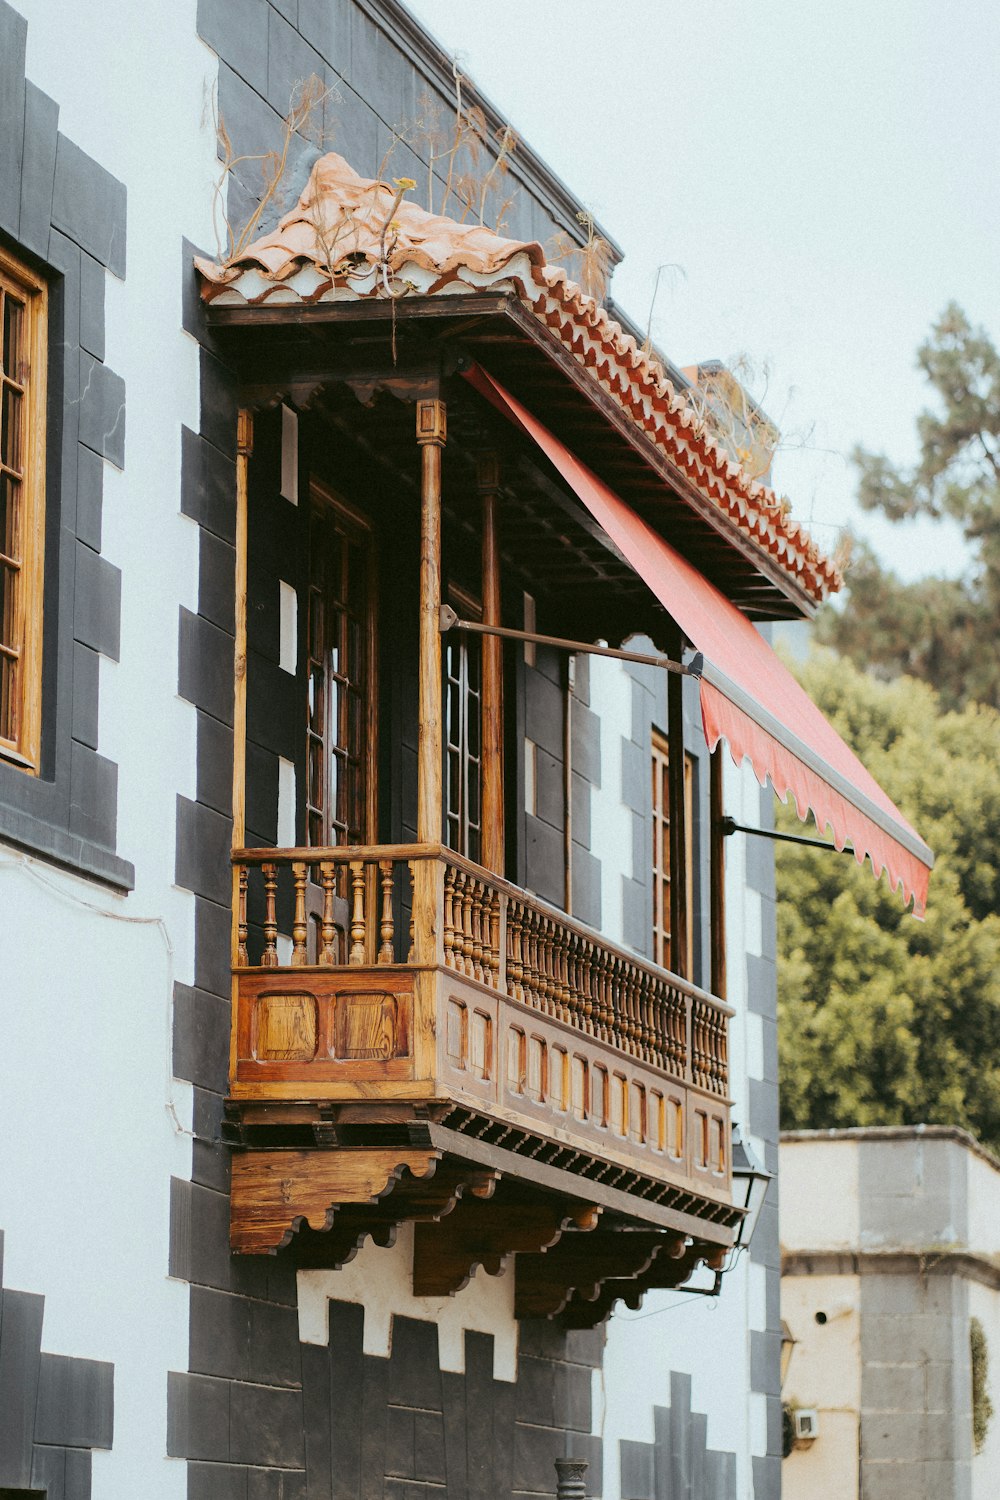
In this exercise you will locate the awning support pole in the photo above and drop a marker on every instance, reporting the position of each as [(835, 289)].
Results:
[(449, 620), (730, 826)]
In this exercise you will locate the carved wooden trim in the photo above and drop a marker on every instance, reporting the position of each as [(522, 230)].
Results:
[(484, 1234), (275, 1192)]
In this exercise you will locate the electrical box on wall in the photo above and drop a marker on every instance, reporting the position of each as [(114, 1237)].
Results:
[(806, 1420)]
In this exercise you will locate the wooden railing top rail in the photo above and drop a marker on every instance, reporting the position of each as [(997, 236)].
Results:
[(354, 853)]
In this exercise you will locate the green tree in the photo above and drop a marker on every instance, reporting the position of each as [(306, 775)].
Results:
[(942, 630), (884, 1019)]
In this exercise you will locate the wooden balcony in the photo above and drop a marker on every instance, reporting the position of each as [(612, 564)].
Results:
[(428, 1042)]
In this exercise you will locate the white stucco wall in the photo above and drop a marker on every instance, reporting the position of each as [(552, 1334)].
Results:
[(92, 1123), (674, 1331), (819, 1195)]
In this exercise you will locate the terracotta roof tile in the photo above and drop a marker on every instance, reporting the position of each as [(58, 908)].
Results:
[(350, 237)]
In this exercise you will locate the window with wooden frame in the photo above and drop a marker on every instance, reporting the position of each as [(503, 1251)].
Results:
[(341, 724), (462, 665), (23, 344), (668, 893)]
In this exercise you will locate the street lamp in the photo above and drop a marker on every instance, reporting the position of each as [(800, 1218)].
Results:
[(750, 1182)]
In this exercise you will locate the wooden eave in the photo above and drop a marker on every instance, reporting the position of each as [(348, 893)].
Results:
[(287, 349)]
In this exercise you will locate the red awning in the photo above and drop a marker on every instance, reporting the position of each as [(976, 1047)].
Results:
[(748, 698)]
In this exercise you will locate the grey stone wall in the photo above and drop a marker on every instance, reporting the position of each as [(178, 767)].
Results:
[(63, 214), (54, 1410), (678, 1461)]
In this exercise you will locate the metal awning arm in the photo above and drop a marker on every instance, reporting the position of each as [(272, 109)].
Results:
[(451, 621)]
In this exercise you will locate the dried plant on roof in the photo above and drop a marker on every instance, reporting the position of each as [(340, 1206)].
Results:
[(721, 398), (304, 118), (591, 261)]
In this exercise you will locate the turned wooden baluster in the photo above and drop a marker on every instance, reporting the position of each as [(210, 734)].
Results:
[(470, 967), (494, 919), (515, 951), (357, 912), (328, 930), (476, 928), (269, 957), (242, 957), (585, 974), (300, 929), (386, 927), (411, 953), (449, 917)]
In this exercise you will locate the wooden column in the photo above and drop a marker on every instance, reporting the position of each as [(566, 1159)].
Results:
[(717, 856), (244, 448), (492, 842), (431, 435), (679, 914)]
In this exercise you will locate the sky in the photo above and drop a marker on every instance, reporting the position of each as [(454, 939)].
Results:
[(826, 178)]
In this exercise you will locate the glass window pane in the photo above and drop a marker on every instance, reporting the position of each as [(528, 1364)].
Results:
[(13, 323), (10, 428)]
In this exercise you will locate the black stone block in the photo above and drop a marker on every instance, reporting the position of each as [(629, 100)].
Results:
[(544, 860), (550, 796), (212, 931), (93, 810), (218, 404), (415, 1365), (291, 62), (216, 580), (198, 1416), (266, 1427), (316, 1420), (274, 708), (211, 1165), (76, 1399), (535, 1452), (97, 602), (89, 496), (13, 36), (586, 886), (201, 1038), (762, 985), (453, 1400), (92, 283), (219, 1334), (765, 1361), (215, 764), (208, 1481), (635, 777), (208, 485), (327, 28), (274, 1345), (85, 695), (428, 1447), (196, 1216), (581, 799), (88, 205), (636, 1471), (41, 126), (276, 1484), (543, 712), (374, 1403), (102, 409), (48, 1473), (203, 848), (571, 1390), (20, 1344), (237, 31), (399, 1442), (763, 1109), (535, 1397), (766, 1477), (262, 793), (205, 666), (586, 744)]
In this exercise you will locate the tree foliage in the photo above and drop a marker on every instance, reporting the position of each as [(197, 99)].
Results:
[(942, 630), (883, 1019)]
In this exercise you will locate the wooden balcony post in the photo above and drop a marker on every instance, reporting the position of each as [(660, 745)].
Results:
[(431, 435), (492, 842)]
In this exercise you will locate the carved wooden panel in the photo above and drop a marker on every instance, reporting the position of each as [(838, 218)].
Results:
[(285, 1028), (369, 1025)]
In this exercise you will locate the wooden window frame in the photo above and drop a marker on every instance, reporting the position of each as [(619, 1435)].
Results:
[(21, 636), (673, 888), (321, 499), (467, 648)]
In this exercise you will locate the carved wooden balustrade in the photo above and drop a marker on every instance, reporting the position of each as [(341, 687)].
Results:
[(407, 1007)]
